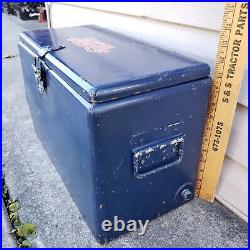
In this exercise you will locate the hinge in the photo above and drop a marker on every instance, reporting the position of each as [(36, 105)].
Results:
[(39, 67)]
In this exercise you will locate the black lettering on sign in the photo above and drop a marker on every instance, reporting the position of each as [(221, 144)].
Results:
[(242, 19), (241, 23), (217, 136)]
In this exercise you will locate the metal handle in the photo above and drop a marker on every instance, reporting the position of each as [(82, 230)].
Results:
[(157, 156)]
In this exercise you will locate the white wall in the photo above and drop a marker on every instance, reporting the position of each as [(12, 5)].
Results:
[(189, 28)]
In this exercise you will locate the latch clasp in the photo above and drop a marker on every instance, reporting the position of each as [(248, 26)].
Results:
[(39, 67), (40, 75)]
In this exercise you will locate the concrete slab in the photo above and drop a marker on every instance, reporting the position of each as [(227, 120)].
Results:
[(45, 201), (11, 27), (8, 240)]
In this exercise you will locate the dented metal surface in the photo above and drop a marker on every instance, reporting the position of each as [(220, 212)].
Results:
[(128, 150)]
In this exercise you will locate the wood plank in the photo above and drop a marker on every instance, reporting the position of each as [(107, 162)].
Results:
[(197, 43), (243, 98), (191, 14), (232, 192), (237, 148)]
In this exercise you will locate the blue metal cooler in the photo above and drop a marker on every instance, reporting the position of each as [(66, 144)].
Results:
[(121, 120)]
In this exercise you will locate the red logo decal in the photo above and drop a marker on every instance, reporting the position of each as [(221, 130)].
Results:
[(92, 45)]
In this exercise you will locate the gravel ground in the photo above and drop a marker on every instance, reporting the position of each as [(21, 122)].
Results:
[(33, 180)]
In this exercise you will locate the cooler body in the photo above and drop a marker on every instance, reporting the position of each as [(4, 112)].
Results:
[(134, 156)]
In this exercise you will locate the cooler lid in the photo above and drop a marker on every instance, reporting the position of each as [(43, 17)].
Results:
[(105, 65)]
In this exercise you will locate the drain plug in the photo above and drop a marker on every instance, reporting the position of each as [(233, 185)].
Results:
[(186, 194)]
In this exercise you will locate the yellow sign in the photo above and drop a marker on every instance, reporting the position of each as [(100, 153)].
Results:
[(228, 74)]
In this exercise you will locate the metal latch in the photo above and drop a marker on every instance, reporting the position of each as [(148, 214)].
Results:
[(40, 74), (39, 67)]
